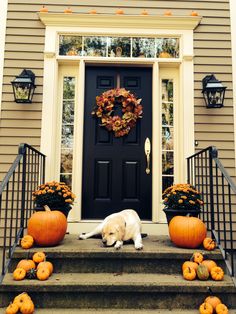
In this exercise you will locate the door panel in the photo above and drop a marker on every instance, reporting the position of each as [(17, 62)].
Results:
[(114, 176)]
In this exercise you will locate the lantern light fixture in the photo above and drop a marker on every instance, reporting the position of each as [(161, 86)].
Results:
[(23, 87), (213, 92)]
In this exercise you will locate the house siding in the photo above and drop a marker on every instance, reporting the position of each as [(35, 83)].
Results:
[(25, 45)]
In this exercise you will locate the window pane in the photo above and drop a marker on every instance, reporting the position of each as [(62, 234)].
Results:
[(167, 113), (168, 163), (66, 160), (67, 179), (68, 88), (167, 47), (143, 47), (70, 45), (67, 136), (166, 182), (68, 112), (95, 46), (119, 47), (167, 138), (167, 90)]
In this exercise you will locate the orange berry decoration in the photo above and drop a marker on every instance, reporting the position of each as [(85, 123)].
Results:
[(209, 244), (19, 274), (39, 257)]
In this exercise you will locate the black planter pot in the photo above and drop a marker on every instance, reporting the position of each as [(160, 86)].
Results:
[(64, 211), (171, 212)]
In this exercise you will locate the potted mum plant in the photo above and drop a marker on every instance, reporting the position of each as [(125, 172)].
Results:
[(56, 195), (181, 200)]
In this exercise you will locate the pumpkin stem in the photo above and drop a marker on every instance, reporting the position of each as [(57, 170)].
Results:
[(47, 208)]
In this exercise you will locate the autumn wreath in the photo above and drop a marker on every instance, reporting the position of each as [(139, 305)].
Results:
[(108, 101)]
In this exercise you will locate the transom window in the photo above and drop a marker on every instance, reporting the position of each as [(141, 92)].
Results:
[(126, 47)]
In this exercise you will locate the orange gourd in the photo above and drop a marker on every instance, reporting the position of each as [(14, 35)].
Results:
[(213, 300), (68, 10), (197, 257), (144, 12), (20, 298), (46, 264), (168, 13), (27, 242), (217, 273), (43, 273), (12, 308), (206, 308), (39, 257), (119, 11), (222, 309), (186, 231), (189, 273), (202, 272), (92, 11), (209, 244), (27, 307), (209, 264), (48, 228), (19, 274), (26, 264), (194, 13), (189, 264)]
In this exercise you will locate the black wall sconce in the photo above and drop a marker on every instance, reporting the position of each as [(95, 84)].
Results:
[(23, 87), (213, 92)]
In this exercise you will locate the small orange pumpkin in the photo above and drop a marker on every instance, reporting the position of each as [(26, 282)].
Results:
[(92, 11), (209, 264), (206, 308), (209, 244), (168, 13), (21, 298), (187, 231), (222, 309), (217, 273), (43, 9), (68, 10), (189, 264), (19, 274), (46, 264), (27, 307), (119, 12), (197, 257), (144, 12), (194, 13), (27, 242), (43, 273), (189, 273), (213, 300), (39, 257), (27, 264), (12, 308)]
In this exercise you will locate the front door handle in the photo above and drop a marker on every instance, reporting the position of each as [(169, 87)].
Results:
[(147, 149)]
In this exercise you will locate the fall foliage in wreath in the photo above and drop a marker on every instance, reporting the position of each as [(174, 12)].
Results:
[(108, 101)]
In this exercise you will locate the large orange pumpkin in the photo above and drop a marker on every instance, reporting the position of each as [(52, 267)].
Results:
[(48, 228), (187, 231)]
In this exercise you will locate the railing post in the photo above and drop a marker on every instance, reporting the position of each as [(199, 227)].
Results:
[(22, 150), (212, 155)]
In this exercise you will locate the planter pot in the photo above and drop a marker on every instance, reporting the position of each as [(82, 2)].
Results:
[(64, 211), (170, 213)]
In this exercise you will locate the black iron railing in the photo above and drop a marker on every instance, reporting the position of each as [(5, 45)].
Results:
[(208, 175), (16, 200)]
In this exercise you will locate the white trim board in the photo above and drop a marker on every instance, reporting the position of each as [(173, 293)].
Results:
[(3, 22)]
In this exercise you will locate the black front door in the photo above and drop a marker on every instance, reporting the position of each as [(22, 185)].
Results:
[(114, 169)]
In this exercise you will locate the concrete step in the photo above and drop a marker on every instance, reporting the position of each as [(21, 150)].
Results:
[(118, 290), (86, 256)]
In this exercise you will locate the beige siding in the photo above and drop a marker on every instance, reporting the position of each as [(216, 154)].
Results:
[(25, 45)]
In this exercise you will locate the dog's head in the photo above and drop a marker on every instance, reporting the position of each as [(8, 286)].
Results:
[(113, 231)]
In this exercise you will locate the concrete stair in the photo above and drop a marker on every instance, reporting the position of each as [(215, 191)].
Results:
[(90, 278)]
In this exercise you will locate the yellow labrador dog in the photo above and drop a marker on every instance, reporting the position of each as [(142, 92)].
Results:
[(119, 227)]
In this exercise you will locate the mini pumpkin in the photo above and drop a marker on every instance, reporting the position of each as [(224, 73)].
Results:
[(189, 273), (194, 13), (213, 300), (119, 11), (12, 308), (206, 308), (197, 257), (168, 13), (209, 244), (27, 264), (43, 9), (92, 11), (144, 12), (19, 274), (46, 264), (21, 298), (27, 242), (209, 264), (39, 257), (189, 264), (202, 272), (217, 273), (68, 10), (222, 309), (27, 307), (43, 273)]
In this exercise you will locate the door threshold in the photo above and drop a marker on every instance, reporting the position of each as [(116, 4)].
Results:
[(151, 228)]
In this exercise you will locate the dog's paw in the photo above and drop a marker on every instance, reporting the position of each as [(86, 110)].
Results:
[(118, 245), (138, 246), (82, 236)]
